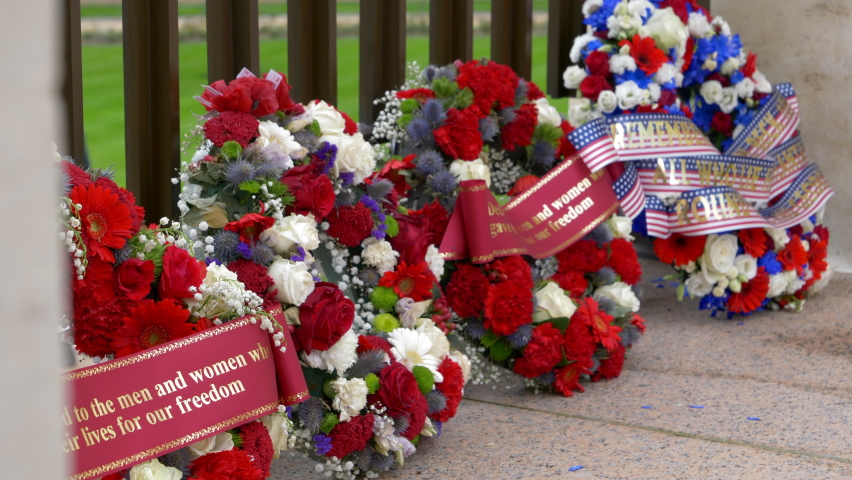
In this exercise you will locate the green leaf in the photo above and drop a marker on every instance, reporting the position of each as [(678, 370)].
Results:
[(409, 105), (329, 422), (500, 351), (680, 291), (251, 186), (315, 128), (561, 323), (489, 339), (464, 98), (444, 88), (315, 378)]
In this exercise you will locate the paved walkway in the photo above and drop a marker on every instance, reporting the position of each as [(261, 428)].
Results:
[(793, 372)]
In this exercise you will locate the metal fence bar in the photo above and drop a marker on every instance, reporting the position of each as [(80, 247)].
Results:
[(450, 31), (564, 23), (151, 103), (234, 43), (511, 35), (382, 53), (74, 140), (312, 49)]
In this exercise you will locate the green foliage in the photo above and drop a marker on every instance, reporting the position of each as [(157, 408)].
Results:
[(251, 186), (279, 190), (444, 88), (489, 339), (463, 99), (329, 422), (409, 105), (425, 379), (314, 128), (404, 120), (549, 133), (385, 322), (328, 390), (237, 438), (560, 323), (315, 378), (393, 227), (384, 298), (372, 382), (232, 149), (500, 351)]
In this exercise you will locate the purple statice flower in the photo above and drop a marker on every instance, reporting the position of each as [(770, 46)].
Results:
[(289, 412), (316, 278), (322, 444), (488, 129), (347, 177), (299, 256), (327, 153), (210, 260), (429, 163), (239, 172), (419, 129), (371, 204), (442, 183), (433, 112), (439, 427), (244, 250)]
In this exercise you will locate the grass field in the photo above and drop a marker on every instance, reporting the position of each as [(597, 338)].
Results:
[(103, 88)]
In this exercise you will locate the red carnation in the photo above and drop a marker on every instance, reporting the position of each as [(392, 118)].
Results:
[(566, 148), (519, 132), (151, 324), (584, 256), (106, 221), (410, 281), (568, 379), (593, 85), (258, 444), (754, 241), (231, 126), (349, 125), (579, 342), (751, 295), (451, 387), (251, 95), (250, 226), (611, 367), (722, 123), (542, 353), (467, 290), (644, 51), (95, 324), (534, 92), (76, 175), (507, 307), (794, 256), (180, 272), (325, 316), (133, 278), (679, 249), (351, 436), (516, 270), (419, 94), (401, 396), (598, 63), (493, 85), (572, 281), (438, 217), (314, 193), (227, 465), (624, 262), (459, 136), (254, 277), (413, 239), (350, 225)]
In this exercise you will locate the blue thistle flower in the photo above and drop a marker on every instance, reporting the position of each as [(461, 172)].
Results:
[(368, 362), (179, 459), (225, 245), (311, 413), (436, 401), (433, 112), (521, 337), (262, 254), (266, 169), (66, 184), (429, 73), (543, 153), (507, 115), (362, 458), (380, 189), (488, 128), (306, 139), (604, 276), (344, 198), (122, 254), (370, 276), (382, 463), (239, 172), (546, 378), (429, 163), (605, 303), (447, 73), (522, 89), (442, 183), (419, 130), (400, 425), (629, 335), (475, 329), (439, 427), (601, 235)]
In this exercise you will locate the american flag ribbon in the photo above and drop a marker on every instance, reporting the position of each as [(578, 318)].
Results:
[(805, 196), (594, 144), (790, 159), (640, 136), (774, 123), (627, 188), (789, 93)]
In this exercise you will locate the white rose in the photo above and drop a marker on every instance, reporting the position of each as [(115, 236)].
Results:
[(665, 74), (777, 285), (729, 100), (293, 229), (779, 236), (553, 300), (746, 265), (718, 258), (620, 227), (381, 255), (339, 356), (330, 121), (621, 294), (356, 156), (697, 286), (440, 343), (579, 44), (573, 76), (270, 133), (607, 101), (620, 63), (547, 113), (711, 91), (745, 89), (199, 154), (217, 443), (699, 27), (629, 95), (763, 85), (293, 281), (666, 28), (277, 426), (471, 170), (463, 362), (435, 261), (579, 111), (154, 470), (350, 397)]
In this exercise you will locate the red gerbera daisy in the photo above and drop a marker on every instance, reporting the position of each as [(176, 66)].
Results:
[(648, 57), (151, 324), (601, 322), (568, 379), (679, 249), (753, 240), (752, 294), (414, 281), (105, 220), (816, 257), (794, 256)]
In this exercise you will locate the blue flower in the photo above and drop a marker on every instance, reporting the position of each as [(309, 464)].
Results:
[(737, 77), (770, 262), (641, 78), (598, 18), (727, 47), (714, 303)]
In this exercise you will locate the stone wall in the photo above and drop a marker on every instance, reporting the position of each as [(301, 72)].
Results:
[(806, 42)]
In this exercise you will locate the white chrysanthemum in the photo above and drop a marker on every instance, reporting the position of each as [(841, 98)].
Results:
[(380, 255), (411, 348), (699, 27), (350, 397), (339, 357), (435, 261), (440, 344), (270, 133), (777, 285)]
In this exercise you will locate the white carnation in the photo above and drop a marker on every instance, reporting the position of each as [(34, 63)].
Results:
[(381, 255), (350, 397), (463, 362), (620, 63), (579, 44), (435, 261), (270, 133), (722, 25), (622, 26), (699, 27), (356, 156), (339, 357)]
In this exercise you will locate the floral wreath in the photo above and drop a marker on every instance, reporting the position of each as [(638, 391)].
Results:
[(672, 56), (553, 321), (287, 197)]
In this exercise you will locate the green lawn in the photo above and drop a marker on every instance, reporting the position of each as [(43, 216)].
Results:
[(103, 88)]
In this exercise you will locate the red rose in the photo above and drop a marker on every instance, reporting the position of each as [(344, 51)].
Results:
[(667, 97), (439, 220), (325, 316), (401, 396), (624, 261), (593, 85), (250, 226), (314, 193), (598, 63), (180, 271), (227, 465), (722, 123), (133, 278), (413, 239), (459, 136)]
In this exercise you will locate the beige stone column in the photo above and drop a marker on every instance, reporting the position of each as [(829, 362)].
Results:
[(807, 43), (30, 293)]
